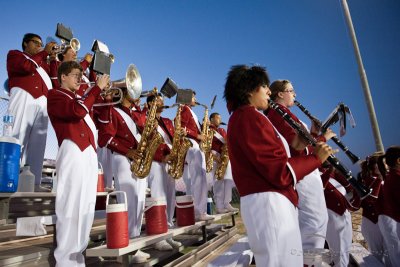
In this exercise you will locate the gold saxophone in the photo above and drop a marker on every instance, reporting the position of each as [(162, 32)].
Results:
[(220, 169), (205, 144), (148, 143), (180, 146)]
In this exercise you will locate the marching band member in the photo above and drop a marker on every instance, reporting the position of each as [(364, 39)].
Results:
[(389, 206), (313, 216), (121, 135), (76, 165), (339, 231), (161, 184), (372, 178), (263, 171), (69, 54), (222, 188), (29, 82), (195, 176)]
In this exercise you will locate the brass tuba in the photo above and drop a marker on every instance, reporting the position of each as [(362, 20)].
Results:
[(220, 169), (180, 146), (205, 144), (148, 143)]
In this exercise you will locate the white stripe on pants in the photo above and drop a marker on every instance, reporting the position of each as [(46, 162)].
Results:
[(374, 238), (339, 237), (135, 190), (390, 230), (77, 175), (313, 215), (195, 178), (272, 226), (30, 128)]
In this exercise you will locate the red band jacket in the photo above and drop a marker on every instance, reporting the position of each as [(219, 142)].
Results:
[(22, 72), (258, 157), (67, 111)]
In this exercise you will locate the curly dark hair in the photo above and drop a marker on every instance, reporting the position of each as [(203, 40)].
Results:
[(240, 82)]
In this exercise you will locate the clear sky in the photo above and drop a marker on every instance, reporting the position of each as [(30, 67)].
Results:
[(196, 42)]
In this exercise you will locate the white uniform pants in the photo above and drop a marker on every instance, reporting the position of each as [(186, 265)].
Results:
[(313, 215), (135, 190), (163, 186), (374, 238), (272, 226), (195, 178), (77, 175), (390, 230), (339, 237), (223, 188), (30, 128)]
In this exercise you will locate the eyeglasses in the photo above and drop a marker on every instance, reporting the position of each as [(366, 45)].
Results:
[(76, 75), (290, 91), (38, 43)]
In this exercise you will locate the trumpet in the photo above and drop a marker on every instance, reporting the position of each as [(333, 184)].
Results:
[(73, 43), (337, 141)]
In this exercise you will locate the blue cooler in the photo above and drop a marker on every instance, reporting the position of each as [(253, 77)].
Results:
[(10, 153)]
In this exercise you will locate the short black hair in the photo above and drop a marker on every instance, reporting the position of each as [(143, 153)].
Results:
[(28, 37), (391, 155), (151, 98), (212, 115), (240, 82)]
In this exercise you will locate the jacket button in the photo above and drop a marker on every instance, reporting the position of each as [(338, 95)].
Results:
[(123, 122), (338, 204), (126, 135), (33, 74), (36, 87), (82, 134), (331, 190), (372, 213)]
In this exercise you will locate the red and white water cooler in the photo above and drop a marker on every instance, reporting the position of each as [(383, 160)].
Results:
[(184, 210), (117, 233), (155, 213)]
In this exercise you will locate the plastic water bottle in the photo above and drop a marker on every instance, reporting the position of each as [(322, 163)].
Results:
[(8, 122), (26, 180), (209, 206)]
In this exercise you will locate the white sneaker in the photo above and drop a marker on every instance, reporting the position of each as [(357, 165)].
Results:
[(229, 207), (174, 243), (138, 259), (142, 254), (204, 217), (163, 245), (221, 211)]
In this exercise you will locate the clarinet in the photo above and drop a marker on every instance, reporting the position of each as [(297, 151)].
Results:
[(337, 141), (361, 190)]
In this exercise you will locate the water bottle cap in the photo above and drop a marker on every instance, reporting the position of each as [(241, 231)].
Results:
[(8, 119)]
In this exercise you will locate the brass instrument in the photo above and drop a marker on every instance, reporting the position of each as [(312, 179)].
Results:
[(205, 144), (180, 146), (148, 143), (132, 81), (73, 43), (220, 169)]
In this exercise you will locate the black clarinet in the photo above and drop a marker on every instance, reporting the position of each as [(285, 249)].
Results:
[(337, 141), (361, 190)]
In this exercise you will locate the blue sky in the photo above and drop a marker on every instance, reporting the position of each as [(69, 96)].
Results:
[(196, 42)]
